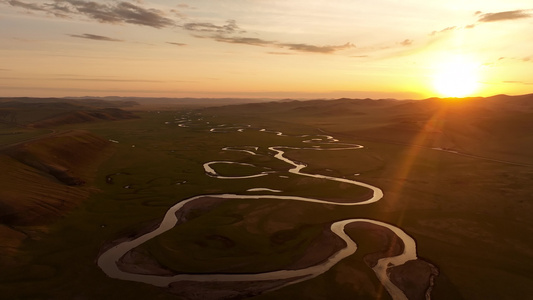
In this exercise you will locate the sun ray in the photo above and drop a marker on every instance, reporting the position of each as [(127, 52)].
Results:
[(430, 135)]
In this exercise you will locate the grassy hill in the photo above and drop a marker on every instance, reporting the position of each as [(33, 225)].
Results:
[(49, 112), (44, 179)]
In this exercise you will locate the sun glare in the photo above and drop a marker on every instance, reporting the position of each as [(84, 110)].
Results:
[(456, 77)]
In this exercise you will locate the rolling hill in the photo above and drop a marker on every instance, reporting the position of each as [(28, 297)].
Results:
[(42, 112), (44, 179), (497, 127)]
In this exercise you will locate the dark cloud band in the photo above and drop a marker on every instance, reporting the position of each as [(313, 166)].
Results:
[(504, 15), (176, 44), (317, 49), (293, 47), (94, 37), (229, 28), (113, 12)]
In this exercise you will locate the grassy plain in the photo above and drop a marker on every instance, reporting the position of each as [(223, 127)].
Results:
[(469, 216)]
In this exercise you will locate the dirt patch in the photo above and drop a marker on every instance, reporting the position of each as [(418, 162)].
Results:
[(139, 261), (415, 278)]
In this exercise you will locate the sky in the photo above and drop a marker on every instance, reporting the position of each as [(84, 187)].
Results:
[(265, 48)]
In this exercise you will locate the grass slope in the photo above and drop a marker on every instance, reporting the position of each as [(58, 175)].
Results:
[(43, 178)]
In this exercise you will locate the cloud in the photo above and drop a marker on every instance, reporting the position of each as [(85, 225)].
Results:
[(243, 40), (185, 6), (290, 46), (518, 82), (121, 12), (443, 30), (406, 42), (177, 44), (280, 53), (230, 27), (452, 28), (94, 37), (317, 49), (504, 15), (113, 12), (29, 6), (295, 47)]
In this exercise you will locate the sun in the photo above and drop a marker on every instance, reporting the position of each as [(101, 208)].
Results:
[(456, 76)]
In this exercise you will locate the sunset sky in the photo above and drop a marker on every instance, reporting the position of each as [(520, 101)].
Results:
[(265, 48)]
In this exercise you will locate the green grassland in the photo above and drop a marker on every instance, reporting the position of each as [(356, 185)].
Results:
[(11, 135), (470, 217)]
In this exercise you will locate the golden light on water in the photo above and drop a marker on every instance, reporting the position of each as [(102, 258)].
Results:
[(456, 76)]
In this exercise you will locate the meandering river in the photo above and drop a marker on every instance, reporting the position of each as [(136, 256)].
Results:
[(108, 260)]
